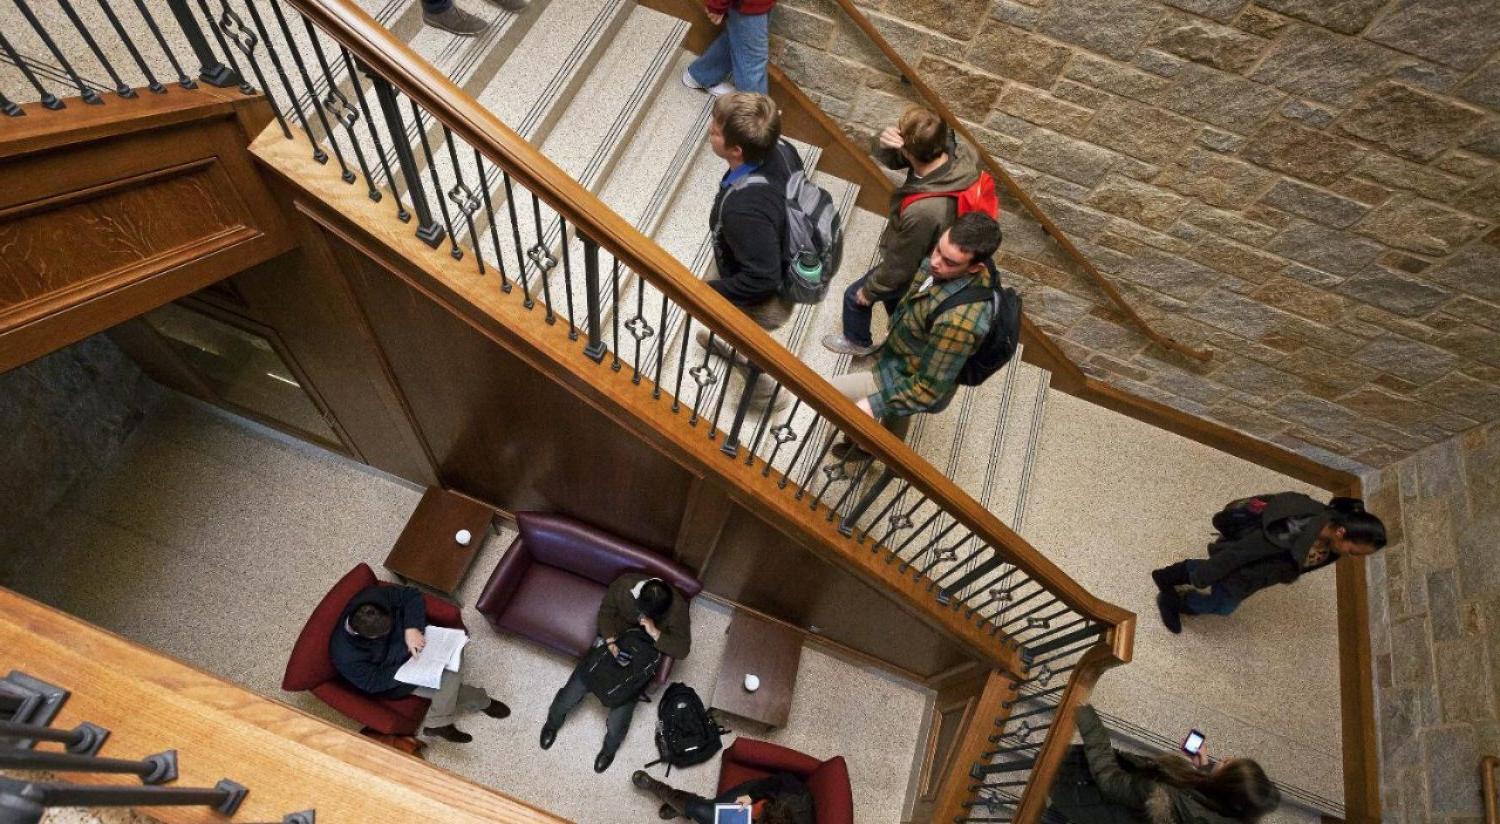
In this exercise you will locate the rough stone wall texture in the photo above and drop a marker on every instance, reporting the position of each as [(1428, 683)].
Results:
[(1435, 626), (62, 416), (1309, 187)]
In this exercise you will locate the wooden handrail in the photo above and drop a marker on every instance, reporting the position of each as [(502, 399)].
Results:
[(1487, 767), (935, 102), (373, 45)]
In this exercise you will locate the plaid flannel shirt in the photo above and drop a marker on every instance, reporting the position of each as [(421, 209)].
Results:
[(918, 370)]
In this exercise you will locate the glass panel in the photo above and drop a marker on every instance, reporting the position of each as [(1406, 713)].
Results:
[(241, 367)]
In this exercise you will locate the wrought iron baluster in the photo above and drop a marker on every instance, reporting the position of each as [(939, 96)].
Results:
[(489, 211), (307, 82), (614, 315), (974, 574), (731, 446), (84, 739), (567, 264), (702, 374), (885, 510), (364, 109), (929, 549), (998, 626), (515, 232), (542, 256), (159, 768), (343, 112), (595, 348), (838, 505), (464, 199), (915, 533), (234, 65), (32, 799), (807, 476), (791, 435), (121, 88), (48, 99), (639, 329), (897, 522), (861, 506), (681, 356), (286, 82), (661, 353), (760, 428), (233, 27), (428, 230), (182, 79), (1066, 653), (437, 185), (783, 434), (9, 108), (84, 90), (135, 54), (210, 70), (1036, 646), (713, 427)]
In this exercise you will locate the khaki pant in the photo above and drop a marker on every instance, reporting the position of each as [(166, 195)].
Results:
[(451, 697), (859, 385)]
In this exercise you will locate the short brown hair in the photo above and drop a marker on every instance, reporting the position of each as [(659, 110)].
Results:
[(749, 122), (923, 134)]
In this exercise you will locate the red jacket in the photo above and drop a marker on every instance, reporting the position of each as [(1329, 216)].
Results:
[(741, 6)]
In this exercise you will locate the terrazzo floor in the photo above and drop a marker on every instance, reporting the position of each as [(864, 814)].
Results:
[(211, 538)]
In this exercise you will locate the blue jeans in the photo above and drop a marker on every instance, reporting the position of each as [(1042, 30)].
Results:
[(436, 6), (741, 51), (857, 318), (1214, 602)]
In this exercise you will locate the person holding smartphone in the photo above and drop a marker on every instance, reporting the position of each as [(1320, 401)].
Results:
[(779, 798), (1098, 784)]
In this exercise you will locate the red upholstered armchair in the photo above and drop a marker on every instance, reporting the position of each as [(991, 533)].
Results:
[(550, 583), (311, 669), (746, 758)]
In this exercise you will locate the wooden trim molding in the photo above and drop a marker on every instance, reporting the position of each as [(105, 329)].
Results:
[(957, 784), (288, 759), (1487, 767)]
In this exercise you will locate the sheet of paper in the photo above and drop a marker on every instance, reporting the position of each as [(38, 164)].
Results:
[(443, 650)]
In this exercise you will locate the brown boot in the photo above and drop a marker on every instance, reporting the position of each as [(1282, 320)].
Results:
[(673, 802)]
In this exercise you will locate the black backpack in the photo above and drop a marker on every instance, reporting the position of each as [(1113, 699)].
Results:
[(616, 684), (1000, 341), (686, 732), (1239, 517)]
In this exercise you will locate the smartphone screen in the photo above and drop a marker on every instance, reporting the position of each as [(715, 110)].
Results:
[(1193, 743)]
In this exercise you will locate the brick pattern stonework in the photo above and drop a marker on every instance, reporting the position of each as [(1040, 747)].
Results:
[(1435, 627), (1311, 188)]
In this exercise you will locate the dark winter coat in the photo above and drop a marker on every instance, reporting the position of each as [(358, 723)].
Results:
[(1270, 555), (618, 613), (750, 236), (911, 233), (371, 664), (1100, 785), (784, 786)]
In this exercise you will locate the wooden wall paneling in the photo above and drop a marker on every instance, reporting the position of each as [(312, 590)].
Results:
[(954, 709), (708, 508), (757, 565), (505, 433), (94, 233)]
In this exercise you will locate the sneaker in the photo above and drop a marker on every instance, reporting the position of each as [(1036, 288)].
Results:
[(455, 21), (843, 346), (725, 87), (511, 5), (720, 348), (691, 82), (1171, 611)]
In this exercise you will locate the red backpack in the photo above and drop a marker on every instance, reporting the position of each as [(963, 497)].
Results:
[(978, 197)]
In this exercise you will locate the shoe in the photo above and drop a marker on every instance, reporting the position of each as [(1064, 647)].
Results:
[(497, 709), (666, 813), (643, 780), (448, 733), (455, 21), (602, 761), (843, 346), (848, 451), (720, 348), (721, 88), (689, 81), (549, 734), (1169, 578), (1171, 611), (512, 5)]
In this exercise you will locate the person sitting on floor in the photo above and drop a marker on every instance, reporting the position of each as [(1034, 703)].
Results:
[(1098, 784), (366, 650), (633, 600), (1265, 540), (780, 798)]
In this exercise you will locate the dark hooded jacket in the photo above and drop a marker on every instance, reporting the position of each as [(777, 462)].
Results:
[(1272, 554), (785, 787), (371, 664), (1098, 784), (911, 233), (618, 612), (749, 234)]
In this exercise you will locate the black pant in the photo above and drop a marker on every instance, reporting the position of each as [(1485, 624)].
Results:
[(615, 727), (701, 810)]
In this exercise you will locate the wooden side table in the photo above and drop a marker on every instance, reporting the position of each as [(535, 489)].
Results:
[(771, 651), (427, 552)]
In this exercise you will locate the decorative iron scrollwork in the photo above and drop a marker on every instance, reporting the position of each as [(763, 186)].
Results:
[(234, 28), (900, 520), (639, 328), (1000, 595), (542, 258), (338, 105), (783, 433), (1038, 623), (465, 199), (703, 375), (836, 471), (1044, 675)]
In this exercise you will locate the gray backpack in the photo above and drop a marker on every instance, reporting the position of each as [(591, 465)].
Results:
[(815, 235)]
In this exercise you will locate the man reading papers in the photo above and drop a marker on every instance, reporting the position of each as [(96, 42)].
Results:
[(382, 629)]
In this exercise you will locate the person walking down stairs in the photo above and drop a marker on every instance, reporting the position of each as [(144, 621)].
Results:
[(736, 60), (1265, 540), (938, 168), (446, 15)]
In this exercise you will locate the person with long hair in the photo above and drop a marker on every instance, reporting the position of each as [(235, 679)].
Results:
[(1098, 784), (1265, 540)]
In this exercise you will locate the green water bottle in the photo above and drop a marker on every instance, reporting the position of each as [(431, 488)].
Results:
[(809, 268)]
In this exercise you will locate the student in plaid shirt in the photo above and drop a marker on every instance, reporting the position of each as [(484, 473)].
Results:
[(917, 368)]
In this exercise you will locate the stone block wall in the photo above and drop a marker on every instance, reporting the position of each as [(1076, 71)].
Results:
[(1311, 188), (1435, 627)]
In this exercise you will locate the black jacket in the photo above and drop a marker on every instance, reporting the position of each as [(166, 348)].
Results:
[(1098, 784), (751, 237), (784, 786), (370, 665), (1270, 555)]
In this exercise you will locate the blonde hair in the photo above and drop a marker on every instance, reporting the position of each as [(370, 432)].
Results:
[(750, 122), (923, 134)]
